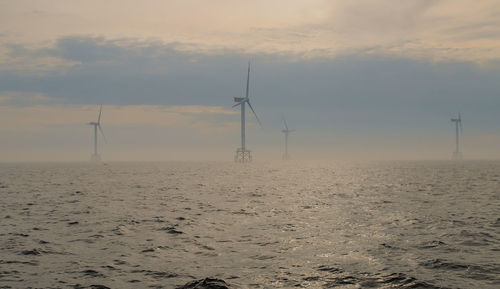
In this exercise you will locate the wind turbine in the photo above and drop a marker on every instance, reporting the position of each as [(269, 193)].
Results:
[(286, 131), (95, 156), (242, 154), (457, 154)]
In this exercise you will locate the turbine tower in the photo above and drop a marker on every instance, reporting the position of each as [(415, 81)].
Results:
[(95, 156), (457, 154), (286, 131), (243, 154)]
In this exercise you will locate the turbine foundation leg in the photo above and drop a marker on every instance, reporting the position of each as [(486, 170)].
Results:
[(242, 156)]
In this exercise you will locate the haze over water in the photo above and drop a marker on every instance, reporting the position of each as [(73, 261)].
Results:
[(260, 225), (361, 83)]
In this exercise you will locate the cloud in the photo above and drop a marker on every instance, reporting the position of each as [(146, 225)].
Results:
[(437, 30), (128, 72), (16, 98), (204, 119)]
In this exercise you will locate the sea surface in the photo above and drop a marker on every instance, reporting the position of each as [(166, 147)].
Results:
[(260, 225)]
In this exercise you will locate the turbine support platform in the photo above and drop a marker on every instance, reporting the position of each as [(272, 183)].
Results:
[(95, 158), (243, 156)]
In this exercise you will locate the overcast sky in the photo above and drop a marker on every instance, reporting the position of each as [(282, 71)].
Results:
[(358, 79)]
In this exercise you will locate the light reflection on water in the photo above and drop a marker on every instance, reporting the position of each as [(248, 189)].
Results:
[(261, 225)]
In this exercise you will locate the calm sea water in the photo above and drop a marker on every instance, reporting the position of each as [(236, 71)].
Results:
[(261, 225)]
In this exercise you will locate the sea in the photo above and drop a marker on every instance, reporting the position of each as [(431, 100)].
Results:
[(293, 224)]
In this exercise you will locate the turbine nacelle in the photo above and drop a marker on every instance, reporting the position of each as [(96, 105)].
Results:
[(458, 122), (240, 101), (286, 130)]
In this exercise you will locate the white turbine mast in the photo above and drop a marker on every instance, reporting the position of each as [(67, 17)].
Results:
[(243, 155), (457, 154), (286, 131), (97, 125)]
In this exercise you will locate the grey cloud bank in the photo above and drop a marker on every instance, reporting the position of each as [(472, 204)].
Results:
[(354, 100)]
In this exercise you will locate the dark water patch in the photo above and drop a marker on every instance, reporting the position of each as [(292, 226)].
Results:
[(73, 223), (33, 252), (92, 273), (171, 230), (445, 265), (109, 267), (206, 247), (387, 246), (3, 274), (156, 274), (119, 262), (207, 283), (99, 287), (325, 268), (161, 275), (312, 278), (32, 263), (256, 195), (149, 250), (432, 244), (341, 281), (396, 278), (244, 212), (263, 257), (264, 244)]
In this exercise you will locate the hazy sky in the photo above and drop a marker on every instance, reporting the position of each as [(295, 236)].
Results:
[(376, 79)]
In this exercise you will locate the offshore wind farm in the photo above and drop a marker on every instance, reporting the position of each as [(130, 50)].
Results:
[(365, 184)]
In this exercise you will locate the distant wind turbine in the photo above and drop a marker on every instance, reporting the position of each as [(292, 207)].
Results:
[(457, 154), (96, 156), (286, 131), (242, 154)]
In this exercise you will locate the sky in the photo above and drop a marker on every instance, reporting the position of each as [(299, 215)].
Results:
[(357, 80)]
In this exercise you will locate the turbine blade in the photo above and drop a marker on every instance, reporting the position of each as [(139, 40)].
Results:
[(103, 136), (254, 113), (286, 126), (99, 117), (238, 103), (248, 80)]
